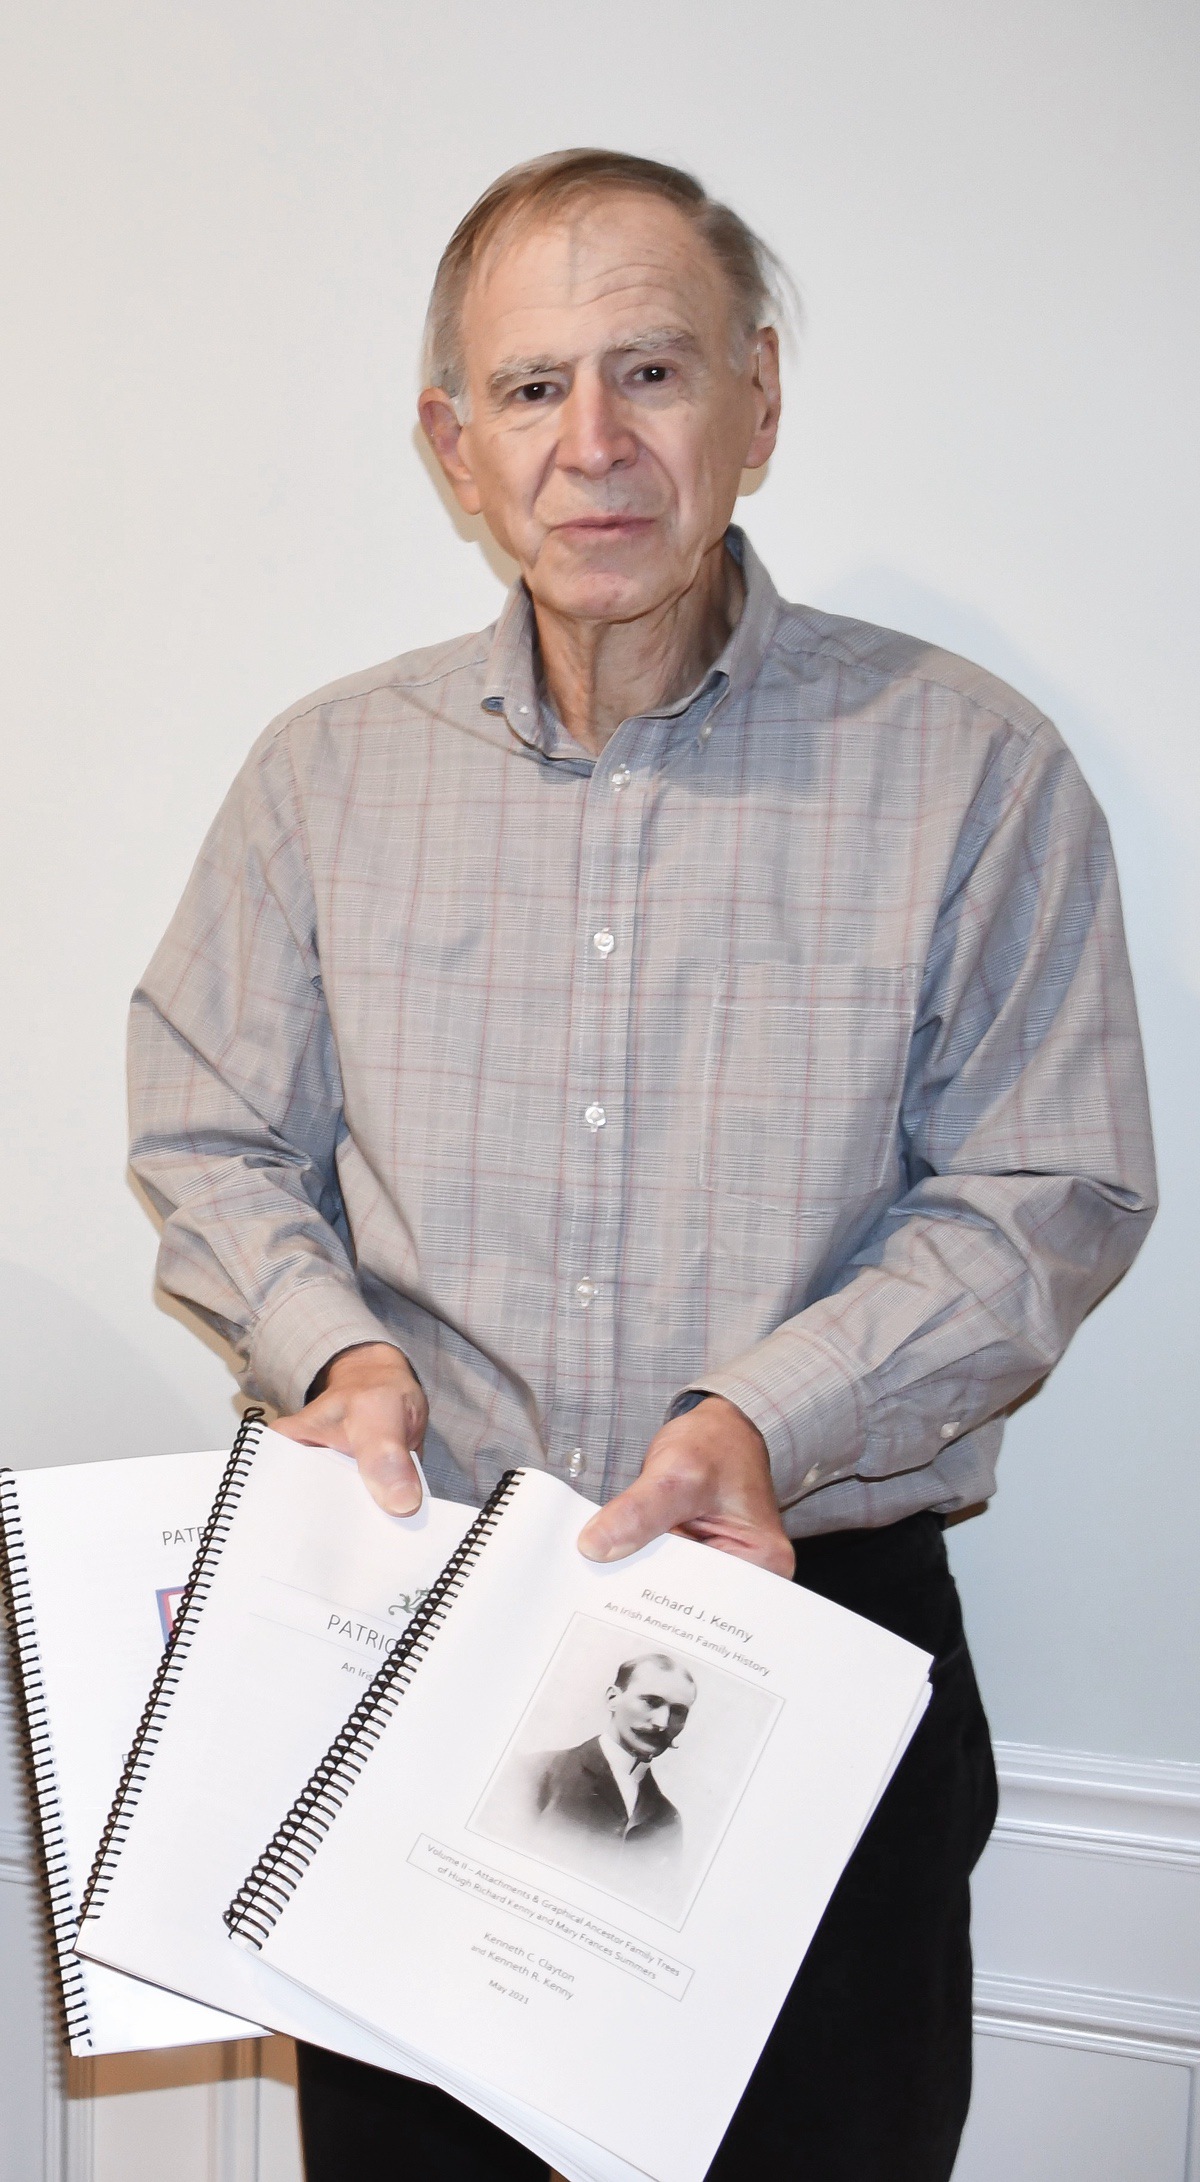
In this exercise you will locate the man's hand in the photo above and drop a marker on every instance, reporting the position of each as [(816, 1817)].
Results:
[(370, 1406), (706, 1475)]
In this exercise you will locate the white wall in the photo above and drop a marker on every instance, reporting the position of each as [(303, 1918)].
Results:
[(223, 219)]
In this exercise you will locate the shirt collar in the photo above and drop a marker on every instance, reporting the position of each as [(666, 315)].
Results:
[(510, 686), (622, 1763)]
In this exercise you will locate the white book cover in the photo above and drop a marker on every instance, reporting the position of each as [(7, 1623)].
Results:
[(97, 1556), (572, 1850), (308, 1586)]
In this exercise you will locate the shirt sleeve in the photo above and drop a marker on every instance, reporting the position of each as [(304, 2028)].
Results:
[(1025, 1134), (236, 1099)]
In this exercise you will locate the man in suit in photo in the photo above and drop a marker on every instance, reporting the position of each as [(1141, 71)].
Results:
[(605, 1788)]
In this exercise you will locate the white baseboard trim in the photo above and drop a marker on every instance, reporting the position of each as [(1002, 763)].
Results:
[(1144, 1809), (1021, 2007), (71, 2149), (1114, 1813)]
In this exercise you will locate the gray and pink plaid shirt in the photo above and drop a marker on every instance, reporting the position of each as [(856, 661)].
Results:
[(787, 1050)]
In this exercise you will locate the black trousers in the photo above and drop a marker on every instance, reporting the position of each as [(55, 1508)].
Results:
[(866, 2076)]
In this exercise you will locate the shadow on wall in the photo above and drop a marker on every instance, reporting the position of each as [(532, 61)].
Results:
[(75, 1390)]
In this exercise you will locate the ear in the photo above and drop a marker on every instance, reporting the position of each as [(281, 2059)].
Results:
[(441, 426), (764, 373)]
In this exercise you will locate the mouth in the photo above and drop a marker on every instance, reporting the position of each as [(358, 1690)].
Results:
[(600, 527)]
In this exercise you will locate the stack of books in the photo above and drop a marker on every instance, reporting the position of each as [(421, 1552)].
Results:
[(436, 1792)]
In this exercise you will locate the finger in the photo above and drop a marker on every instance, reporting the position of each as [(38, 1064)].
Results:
[(767, 1545), (647, 1509), (390, 1476)]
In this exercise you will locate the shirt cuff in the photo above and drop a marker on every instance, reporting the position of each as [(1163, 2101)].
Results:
[(307, 1327), (804, 1401)]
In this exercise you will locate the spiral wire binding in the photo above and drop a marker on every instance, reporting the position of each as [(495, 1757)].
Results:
[(37, 1755), (264, 1895), (165, 1683)]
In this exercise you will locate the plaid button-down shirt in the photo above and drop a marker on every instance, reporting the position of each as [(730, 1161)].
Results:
[(787, 1050)]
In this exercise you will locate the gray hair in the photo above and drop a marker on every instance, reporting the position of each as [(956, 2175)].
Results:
[(761, 290)]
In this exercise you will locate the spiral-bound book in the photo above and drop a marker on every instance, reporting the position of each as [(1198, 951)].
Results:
[(95, 1560), (303, 1587), (569, 1850)]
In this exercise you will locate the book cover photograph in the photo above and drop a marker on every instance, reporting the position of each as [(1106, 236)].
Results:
[(628, 1766)]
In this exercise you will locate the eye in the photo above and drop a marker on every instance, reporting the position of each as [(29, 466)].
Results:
[(534, 390), (654, 374)]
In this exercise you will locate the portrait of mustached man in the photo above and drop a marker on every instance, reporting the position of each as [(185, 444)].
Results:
[(674, 1038)]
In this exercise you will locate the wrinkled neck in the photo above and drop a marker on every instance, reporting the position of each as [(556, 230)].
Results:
[(597, 674)]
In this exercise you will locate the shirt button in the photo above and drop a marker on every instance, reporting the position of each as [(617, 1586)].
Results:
[(949, 1430), (706, 731), (587, 1291), (603, 942), (621, 777), (811, 1476), (575, 1462), (595, 1117)]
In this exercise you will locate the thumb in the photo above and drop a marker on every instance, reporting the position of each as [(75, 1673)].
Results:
[(391, 1476), (645, 1511)]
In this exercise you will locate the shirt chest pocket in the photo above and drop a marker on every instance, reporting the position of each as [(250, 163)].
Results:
[(802, 1082)]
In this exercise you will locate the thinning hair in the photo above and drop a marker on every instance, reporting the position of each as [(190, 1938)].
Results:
[(628, 1667), (761, 291)]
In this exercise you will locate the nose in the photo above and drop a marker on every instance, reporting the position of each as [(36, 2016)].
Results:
[(594, 439)]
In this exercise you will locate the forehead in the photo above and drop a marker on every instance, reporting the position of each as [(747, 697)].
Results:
[(673, 1683), (593, 275)]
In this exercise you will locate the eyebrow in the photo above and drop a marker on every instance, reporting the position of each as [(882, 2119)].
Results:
[(515, 369)]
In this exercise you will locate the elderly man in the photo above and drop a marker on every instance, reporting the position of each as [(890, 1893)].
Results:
[(675, 1038)]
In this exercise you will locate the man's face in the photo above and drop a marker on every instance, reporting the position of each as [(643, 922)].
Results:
[(609, 417), (651, 1710)]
